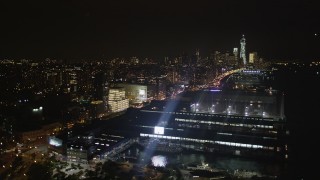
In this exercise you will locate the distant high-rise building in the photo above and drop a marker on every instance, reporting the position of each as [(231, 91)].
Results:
[(235, 53), (217, 58), (97, 109), (100, 86), (253, 57), (243, 50), (197, 56), (185, 59), (166, 60)]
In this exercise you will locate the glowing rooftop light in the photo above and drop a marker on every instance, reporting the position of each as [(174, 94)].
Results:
[(158, 130), (215, 90)]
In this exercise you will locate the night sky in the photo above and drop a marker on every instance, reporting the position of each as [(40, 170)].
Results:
[(75, 29)]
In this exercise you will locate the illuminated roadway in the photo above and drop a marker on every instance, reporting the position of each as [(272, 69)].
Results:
[(216, 81)]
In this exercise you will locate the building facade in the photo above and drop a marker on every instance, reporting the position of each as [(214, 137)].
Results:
[(246, 121), (231, 124), (117, 99), (136, 93)]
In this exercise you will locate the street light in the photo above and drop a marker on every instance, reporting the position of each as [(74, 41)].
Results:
[(212, 108), (229, 109), (193, 107)]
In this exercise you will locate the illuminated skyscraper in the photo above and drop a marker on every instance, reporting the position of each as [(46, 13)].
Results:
[(235, 53), (243, 50), (253, 57)]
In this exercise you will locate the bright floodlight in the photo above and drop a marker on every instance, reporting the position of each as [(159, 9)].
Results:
[(159, 161), (158, 130), (55, 141), (142, 92)]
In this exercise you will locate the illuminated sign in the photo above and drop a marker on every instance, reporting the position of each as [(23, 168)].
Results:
[(158, 130)]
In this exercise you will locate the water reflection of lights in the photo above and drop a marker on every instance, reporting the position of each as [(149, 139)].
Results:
[(159, 161)]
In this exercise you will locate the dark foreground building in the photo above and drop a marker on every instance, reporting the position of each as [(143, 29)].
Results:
[(238, 122), (246, 122)]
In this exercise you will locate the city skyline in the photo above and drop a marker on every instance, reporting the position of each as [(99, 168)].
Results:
[(115, 89), (85, 30)]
